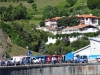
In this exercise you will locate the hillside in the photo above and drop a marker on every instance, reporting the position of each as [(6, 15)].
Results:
[(7, 46), (80, 3), (40, 3), (24, 28), (17, 50), (43, 3)]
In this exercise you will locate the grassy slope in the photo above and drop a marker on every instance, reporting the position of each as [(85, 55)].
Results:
[(15, 4), (40, 3), (43, 3), (17, 50)]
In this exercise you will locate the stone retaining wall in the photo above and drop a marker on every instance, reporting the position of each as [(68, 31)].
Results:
[(48, 69)]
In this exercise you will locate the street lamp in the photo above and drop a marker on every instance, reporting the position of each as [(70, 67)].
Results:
[(27, 49)]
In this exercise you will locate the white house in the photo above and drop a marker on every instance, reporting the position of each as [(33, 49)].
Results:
[(48, 29), (52, 22), (93, 49), (88, 23), (82, 28), (88, 19)]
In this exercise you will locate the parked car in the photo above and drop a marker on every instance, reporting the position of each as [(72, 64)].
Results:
[(58, 57), (98, 59), (93, 58), (84, 59), (16, 59), (48, 58), (34, 60)]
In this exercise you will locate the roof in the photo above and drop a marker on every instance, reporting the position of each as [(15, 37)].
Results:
[(51, 29), (86, 16), (95, 39), (79, 26), (83, 48), (46, 20), (55, 18)]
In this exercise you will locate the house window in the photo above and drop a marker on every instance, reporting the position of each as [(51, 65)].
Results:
[(70, 30), (82, 18), (65, 30), (86, 18)]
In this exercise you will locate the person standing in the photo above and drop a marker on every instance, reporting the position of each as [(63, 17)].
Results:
[(43, 61), (40, 60), (15, 61), (0, 62), (53, 60), (30, 60)]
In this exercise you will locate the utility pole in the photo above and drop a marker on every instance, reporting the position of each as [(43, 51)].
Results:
[(27, 49)]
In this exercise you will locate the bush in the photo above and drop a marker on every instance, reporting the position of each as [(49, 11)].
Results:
[(7, 55)]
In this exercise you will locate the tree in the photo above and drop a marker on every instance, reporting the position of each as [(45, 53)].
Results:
[(7, 14), (50, 12), (19, 12), (63, 5), (42, 24), (34, 6), (96, 12), (67, 21), (63, 12), (14, 13), (2, 9), (42, 48), (71, 2), (30, 1), (93, 4), (79, 43), (66, 41)]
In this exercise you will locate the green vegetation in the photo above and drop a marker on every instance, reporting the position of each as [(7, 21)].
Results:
[(72, 2), (93, 4), (67, 21), (19, 20)]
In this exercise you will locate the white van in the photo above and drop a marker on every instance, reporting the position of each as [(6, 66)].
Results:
[(16, 59)]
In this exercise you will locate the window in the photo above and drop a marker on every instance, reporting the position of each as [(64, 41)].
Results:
[(86, 18), (83, 57)]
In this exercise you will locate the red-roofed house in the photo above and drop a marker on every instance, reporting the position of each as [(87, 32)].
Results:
[(88, 23), (52, 22), (82, 28), (48, 29), (88, 19)]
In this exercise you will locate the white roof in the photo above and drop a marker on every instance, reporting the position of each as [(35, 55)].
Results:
[(95, 39)]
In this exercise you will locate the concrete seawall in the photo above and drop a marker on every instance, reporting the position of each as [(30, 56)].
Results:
[(48, 69)]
